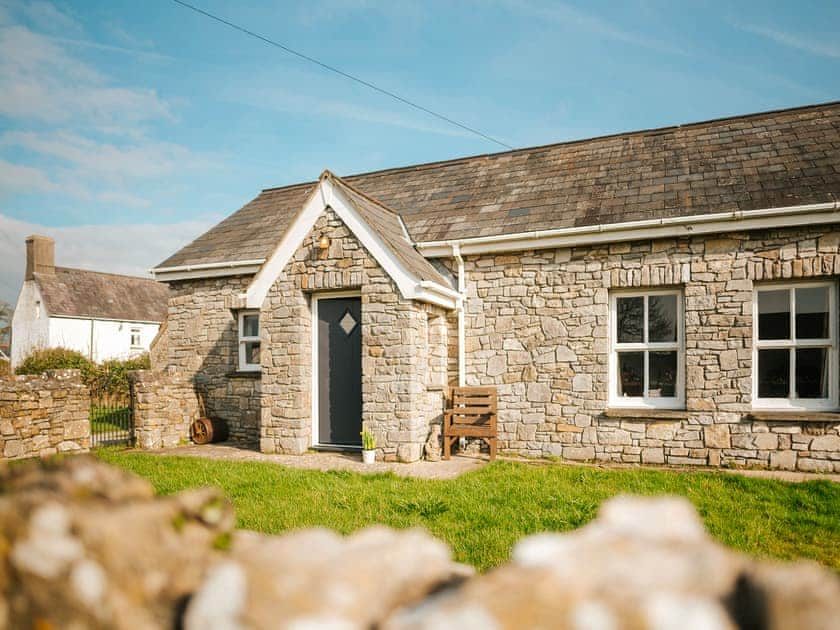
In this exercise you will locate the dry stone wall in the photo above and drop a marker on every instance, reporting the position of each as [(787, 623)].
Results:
[(42, 415), (396, 400), (201, 340), (178, 562), (537, 327), (164, 404)]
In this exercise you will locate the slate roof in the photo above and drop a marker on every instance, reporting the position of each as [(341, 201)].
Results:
[(773, 159), (95, 295), (388, 226)]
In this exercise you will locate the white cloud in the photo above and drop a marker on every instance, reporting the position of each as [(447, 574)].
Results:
[(40, 81), (278, 99), (126, 249), (117, 198), (84, 43), (20, 178), (806, 43), (47, 16), (90, 158), (574, 18), (74, 132)]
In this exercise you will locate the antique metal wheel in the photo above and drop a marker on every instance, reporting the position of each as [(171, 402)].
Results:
[(202, 431)]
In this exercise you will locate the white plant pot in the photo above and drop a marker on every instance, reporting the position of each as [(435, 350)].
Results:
[(368, 457)]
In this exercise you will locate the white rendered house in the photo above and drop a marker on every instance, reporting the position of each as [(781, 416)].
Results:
[(102, 315)]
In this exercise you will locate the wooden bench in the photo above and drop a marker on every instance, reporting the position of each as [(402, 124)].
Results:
[(472, 412)]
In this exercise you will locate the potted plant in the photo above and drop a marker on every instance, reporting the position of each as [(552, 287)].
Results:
[(368, 445)]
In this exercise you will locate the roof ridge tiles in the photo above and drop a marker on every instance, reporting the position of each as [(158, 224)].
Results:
[(104, 273), (364, 195)]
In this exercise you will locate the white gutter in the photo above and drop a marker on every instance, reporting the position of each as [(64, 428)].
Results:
[(106, 319), (216, 265), (208, 270), (790, 216), (462, 345), (439, 288)]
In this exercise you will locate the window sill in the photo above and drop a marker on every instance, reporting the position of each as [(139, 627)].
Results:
[(244, 374), (793, 416), (640, 413)]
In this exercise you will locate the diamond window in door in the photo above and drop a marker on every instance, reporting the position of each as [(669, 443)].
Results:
[(347, 322)]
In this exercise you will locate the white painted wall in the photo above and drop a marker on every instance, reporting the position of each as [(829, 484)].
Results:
[(33, 328), (111, 339), (30, 323)]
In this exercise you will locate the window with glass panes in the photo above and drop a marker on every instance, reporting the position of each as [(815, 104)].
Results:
[(794, 346), (647, 357), (249, 341)]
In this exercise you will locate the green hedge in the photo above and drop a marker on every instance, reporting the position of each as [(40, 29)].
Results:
[(109, 377), (56, 359)]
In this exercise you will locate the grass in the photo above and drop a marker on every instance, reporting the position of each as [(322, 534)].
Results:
[(109, 419), (482, 514)]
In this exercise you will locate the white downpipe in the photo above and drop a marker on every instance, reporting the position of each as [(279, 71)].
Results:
[(462, 287)]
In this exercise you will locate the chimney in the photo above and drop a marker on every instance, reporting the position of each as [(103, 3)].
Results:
[(40, 255)]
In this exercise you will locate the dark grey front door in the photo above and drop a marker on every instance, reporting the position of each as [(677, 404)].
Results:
[(340, 371)]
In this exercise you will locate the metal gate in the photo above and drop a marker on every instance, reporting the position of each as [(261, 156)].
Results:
[(111, 420)]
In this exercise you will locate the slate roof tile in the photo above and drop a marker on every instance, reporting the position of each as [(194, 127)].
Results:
[(772, 159), (92, 294)]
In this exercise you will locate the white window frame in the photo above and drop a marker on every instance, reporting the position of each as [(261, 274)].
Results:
[(243, 366), (132, 333), (793, 403), (646, 402)]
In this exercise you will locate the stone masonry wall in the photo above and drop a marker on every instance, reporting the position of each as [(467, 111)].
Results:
[(164, 404), (537, 327), (43, 415), (202, 342), (396, 403)]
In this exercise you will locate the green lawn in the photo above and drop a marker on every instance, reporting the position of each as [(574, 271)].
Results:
[(109, 419), (483, 513)]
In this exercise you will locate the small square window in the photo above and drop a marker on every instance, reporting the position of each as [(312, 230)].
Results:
[(631, 373), (812, 313), (774, 314), (135, 338), (250, 325), (630, 319), (249, 341)]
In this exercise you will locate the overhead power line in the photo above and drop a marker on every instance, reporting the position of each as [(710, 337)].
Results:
[(335, 70)]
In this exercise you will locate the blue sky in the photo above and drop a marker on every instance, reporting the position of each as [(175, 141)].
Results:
[(127, 128)]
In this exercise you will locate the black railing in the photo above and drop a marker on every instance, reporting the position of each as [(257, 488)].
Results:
[(110, 420)]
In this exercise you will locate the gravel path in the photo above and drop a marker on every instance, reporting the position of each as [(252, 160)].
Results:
[(331, 461), (451, 469)]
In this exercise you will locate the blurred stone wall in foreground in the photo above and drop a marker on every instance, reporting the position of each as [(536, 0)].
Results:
[(87, 545)]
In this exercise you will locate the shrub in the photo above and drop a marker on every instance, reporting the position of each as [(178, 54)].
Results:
[(5, 369), (112, 376), (109, 377), (57, 359)]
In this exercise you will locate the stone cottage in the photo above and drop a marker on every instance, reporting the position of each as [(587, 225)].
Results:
[(662, 296)]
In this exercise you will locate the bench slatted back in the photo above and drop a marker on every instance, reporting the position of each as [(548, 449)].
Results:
[(474, 406)]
